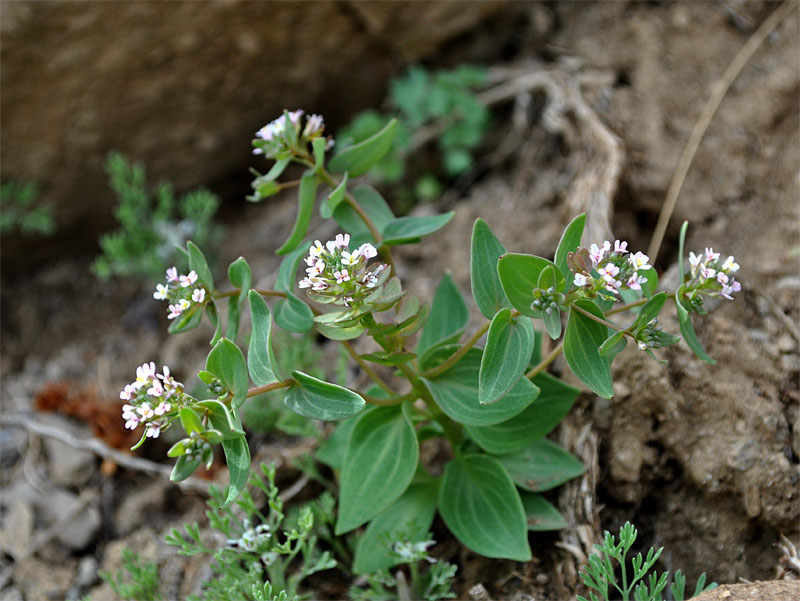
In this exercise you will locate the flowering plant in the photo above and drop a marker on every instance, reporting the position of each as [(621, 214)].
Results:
[(494, 404)]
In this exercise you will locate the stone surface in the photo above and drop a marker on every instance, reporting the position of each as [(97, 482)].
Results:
[(67, 465), (182, 86)]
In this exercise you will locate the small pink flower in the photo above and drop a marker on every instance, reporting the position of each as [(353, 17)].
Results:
[(342, 241), (172, 274), (729, 289), (154, 429), (127, 393), (319, 285), (188, 280), (711, 255), (198, 295), (596, 253), (174, 311), (156, 389), (162, 408), (722, 278), (143, 373), (608, 271), (613, 285), (132, 422), (635, 281), (341, 276), (305, 283), (317, 268), (620, 246), (707, 273)]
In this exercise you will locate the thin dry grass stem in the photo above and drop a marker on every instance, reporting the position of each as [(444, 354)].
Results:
[(704, 120)]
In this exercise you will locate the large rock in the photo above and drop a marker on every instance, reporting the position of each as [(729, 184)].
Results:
[(182, 86)]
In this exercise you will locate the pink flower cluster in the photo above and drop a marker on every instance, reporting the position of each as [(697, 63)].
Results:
[(617, 269), (712, 276), (272, 139), (151, 399), (181, 291), (334, 270)]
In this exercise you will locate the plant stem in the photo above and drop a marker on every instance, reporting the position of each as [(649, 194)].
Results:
[(373, 229), (455, 357), (371, 373), (236, 292), (269, 387), (395, 400), (594, 317), (535, 371)]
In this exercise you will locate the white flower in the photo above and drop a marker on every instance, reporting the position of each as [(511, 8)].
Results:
[(317, 268), (143, 373), (198, 295), (132, 422), (314, 124), (127, 393), (596, 253), (350, 259), (174, 311), (145, 411), (613, 285), (367, 251), (184, 304), (722, 278), (319, 285), (316, 249), (162, 408), (154, 429), (730, 265), (305, 283), (341, 276), (580, 279), (172, 274), (188, 280), (620, 246), (711, 255), (639, 261), (161, 292), (694, 261)]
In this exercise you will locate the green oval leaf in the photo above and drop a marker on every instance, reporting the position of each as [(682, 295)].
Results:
[(519, 275), (613, 345), (190, 420), (687, 329), (260, 358), (481, 506), (447, 318), (485, 250), (404, 230), (509, 345), (305, 207), (222, 419), (333, 450), (287, 272), (650, 310), (198, 263), (237, 457), (241, 277), (183, 468), (293, 315), (581, 342), (334, 199), (537, 420), (570, 241), (540, 514), (381, 459), (340, 332), (227, 362), (361, 157), (376, 208), (541, 466), (408, 518), (456, 392), (318, 399), (393, 358)]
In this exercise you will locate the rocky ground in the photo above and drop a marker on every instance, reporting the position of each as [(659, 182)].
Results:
[(703, 459)]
